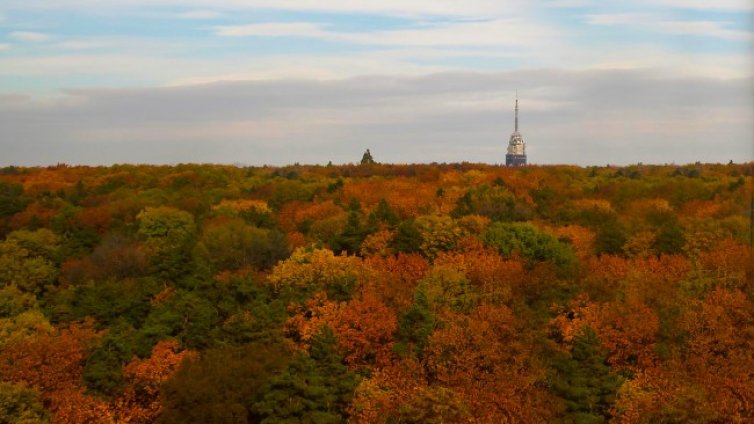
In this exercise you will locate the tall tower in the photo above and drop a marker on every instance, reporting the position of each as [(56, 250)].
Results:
[(516, 147)]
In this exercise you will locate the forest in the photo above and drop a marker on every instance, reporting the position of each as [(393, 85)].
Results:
[(377, 293)]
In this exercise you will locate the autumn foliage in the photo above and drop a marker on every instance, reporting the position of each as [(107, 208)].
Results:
[(443, 293)]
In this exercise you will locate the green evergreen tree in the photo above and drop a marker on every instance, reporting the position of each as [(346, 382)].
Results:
[(12, 199), (188, 316), (103, 372), (315, 388), (408, 239), (353, 232), (367, 158), (415, 326), (382, 214), (585, 382)]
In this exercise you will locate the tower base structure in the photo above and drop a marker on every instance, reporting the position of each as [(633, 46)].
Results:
[(512, 159)]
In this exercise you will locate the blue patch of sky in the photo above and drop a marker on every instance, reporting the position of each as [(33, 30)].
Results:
[(165, 22), (196, 38), (335, 22), (198, 35)]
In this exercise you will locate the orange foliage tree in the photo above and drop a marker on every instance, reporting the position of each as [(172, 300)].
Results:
[(364, 327), (394, 278), (627, 329), (485, 359), (710, 380), (53, 364), (140, 400)]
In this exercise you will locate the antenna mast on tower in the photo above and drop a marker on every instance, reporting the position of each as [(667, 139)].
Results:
[(516, 127), (516, 146)]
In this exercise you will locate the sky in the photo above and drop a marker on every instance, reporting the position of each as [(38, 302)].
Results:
[(281, 81)]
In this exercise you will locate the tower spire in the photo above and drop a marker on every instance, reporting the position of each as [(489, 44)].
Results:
[(516, 146), (516, 111)]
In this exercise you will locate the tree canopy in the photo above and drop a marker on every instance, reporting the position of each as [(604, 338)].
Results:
[(377, 293)]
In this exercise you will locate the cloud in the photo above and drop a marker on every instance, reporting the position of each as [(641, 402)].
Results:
[(200, 14), (697, 5), (498, 32), (583, 117), (702, 29), (4, 46), (719, 5), (29, 36), (567, 3), (476, 8), (131, 61), (617, 18), (139, 69), (274, 29), (647, 21), (404, 8)]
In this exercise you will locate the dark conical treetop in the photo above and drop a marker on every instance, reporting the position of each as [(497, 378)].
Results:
[(585, 382), (367, 158)]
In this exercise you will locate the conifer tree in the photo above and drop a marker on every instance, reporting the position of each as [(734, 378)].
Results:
[(415, 326), (382, 215), (367, 158), (315, 388), (353, 232), (585, 382)]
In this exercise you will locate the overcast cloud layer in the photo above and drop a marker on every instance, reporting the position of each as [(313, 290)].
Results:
[(582, 117), (312, 81)]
